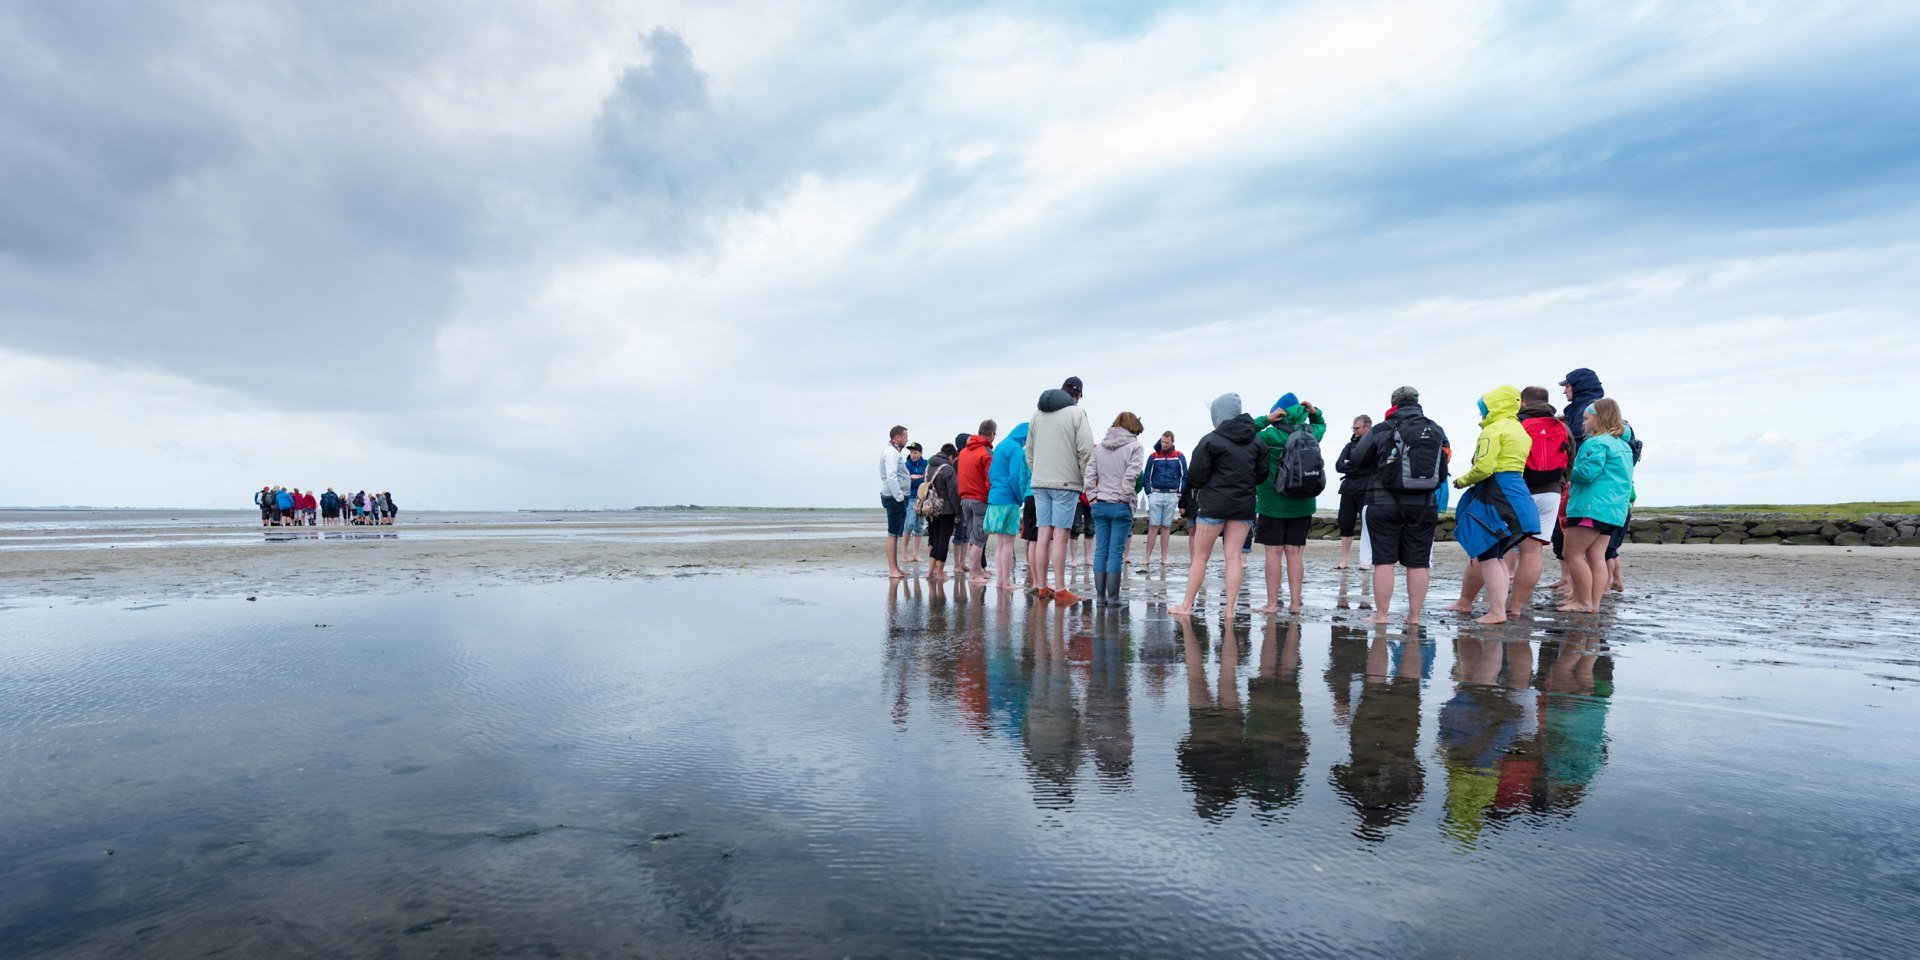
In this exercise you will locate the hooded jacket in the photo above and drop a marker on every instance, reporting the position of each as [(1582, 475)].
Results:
[(1114, 467), (944, 476), (1008, 481), (1503, 445), (1060, 443), (1166, 470), (1546, 431), (1273, 434), (975, 461), (1586, 389), (1372, 458), (1228, 465), (1602, 486)]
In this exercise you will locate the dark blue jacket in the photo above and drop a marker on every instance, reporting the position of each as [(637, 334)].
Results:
[(1586, 389), (1165, 474)]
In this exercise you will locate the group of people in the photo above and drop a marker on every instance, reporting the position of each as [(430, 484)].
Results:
[(1536, 478), (292, 507)]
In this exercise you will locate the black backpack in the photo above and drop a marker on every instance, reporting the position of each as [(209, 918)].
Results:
[(1417, 461), (1303, 472)]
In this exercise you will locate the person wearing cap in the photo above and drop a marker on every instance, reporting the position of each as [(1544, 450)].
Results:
[(893, 496), (1400, 522), (916, 524), (1059, 444)]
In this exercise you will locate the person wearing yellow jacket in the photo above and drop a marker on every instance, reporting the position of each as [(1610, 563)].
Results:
[(1497, 511)]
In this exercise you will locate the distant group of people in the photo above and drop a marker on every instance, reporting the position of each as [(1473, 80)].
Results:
[(1537, 478), (292, 507)]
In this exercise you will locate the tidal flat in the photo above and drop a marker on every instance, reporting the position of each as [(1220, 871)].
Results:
[(808, 760)]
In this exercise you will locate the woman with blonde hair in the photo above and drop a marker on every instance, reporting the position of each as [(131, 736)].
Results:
[(1602, 488)]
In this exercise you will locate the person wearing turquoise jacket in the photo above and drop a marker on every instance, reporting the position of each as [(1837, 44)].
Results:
[(1281, 522), (1008, 485), (1497, 512), (1597, 501)]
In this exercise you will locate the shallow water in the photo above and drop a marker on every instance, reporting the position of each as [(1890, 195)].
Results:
[(820, 765)]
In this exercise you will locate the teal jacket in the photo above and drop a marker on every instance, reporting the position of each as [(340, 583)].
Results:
[(1602, 486), (1269, 502)]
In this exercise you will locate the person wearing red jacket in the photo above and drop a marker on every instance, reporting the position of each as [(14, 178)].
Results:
[(975, 462)]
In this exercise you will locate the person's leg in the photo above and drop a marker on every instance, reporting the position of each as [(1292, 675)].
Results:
[(1597, 562), (1418, 579), (1200, 537), (1366, 541), (1470, 583), (1270, 568), (1495, 572), (1382, 526), (1526, 574), (1416, 554), (1238, 532), (1573, 558), (1296, 574), (896, 525), (939, 531), (1614, 582), (1003, 560), (1382, 591)]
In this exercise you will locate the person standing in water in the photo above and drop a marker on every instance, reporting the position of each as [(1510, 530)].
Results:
[(942, 484), (1111, 474), (1008, 489), (916, 464), (976, 466), (893, 496), (1228, 464), (1353, 492), (1285, 520), (1597, 502), (1496, 514), (1406, 454), (1165, 479), (1059, 444)]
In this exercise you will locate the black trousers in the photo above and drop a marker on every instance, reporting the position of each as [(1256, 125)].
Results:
[(1350, 504), (939, 532)]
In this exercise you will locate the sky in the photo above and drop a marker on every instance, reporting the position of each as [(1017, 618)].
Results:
[(582, 255)]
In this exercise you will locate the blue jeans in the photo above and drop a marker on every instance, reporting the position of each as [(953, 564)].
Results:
[(1112, 525)]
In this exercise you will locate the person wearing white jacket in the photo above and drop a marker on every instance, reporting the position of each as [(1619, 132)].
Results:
[(1058, 445), (894, 484), (1112, 472)]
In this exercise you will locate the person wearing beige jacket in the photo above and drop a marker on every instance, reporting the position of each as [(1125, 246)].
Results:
[(1059, 442)]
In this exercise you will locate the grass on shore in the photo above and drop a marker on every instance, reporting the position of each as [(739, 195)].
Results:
[(1847, 511)]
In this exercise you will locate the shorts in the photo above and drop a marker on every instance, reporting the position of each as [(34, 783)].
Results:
[(1499, 550), (1618, 537), (1549, 506), (916, 524), (1402, 533), (1003, 519), (896, 515), (1161, 506), (1350, 504), (1210, 521), (1597, 526), (1029, 528), (1054, 507), (1083, 521), (973, 522), (1282, 532)]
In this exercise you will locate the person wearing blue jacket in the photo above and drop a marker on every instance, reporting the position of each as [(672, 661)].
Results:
[(1165, 481), (1009, 483), (284, 501), (1601, 491)]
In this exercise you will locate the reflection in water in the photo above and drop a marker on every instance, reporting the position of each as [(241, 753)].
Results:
[(1518, 743), (1520, 734), (1383, 779)]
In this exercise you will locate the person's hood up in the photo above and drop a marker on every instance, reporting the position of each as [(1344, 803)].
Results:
[(1117, 437), (1223, 408), (1500, 403), (1019, 434), (1055, 399), (1287, 401), (1294, 415), (1239, 429), (1585, 384), (1535, 410), (976, 441)]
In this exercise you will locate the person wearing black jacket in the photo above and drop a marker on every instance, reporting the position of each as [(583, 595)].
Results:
[(946, 484), (1353, 490), (1227, 465), (1400, 524)]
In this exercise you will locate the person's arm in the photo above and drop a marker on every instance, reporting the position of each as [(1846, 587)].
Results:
[(890, 476), (1591, 463), (1317, 421), (1201, 470), (1092, 475), (1136, 464), (1482, 466), (1365, 452), (1083, 438), (1263, 456)]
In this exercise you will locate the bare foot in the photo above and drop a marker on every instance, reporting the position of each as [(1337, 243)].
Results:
[(1458, 607), (1339, 566), (1380, 617), (1513, 611), (1617, 587), (1412, 621), (1269, 608), (1491, 618), (1180, 611), (1293, 609)]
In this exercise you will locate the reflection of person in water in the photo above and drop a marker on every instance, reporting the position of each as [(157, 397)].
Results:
[(1383, 778), (1346, 661), (1051, 734), (1210, 756), (1006, 681), (970, 661), (1109, 722), (1479, 727), (1575, 688), (904, 632), (1276, 732)]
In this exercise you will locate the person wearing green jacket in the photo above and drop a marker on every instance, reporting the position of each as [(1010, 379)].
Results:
[(1282, 522), (1497, 513), (1597, 502)]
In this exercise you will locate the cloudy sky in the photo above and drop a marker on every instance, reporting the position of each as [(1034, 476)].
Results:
[(556, 254)]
